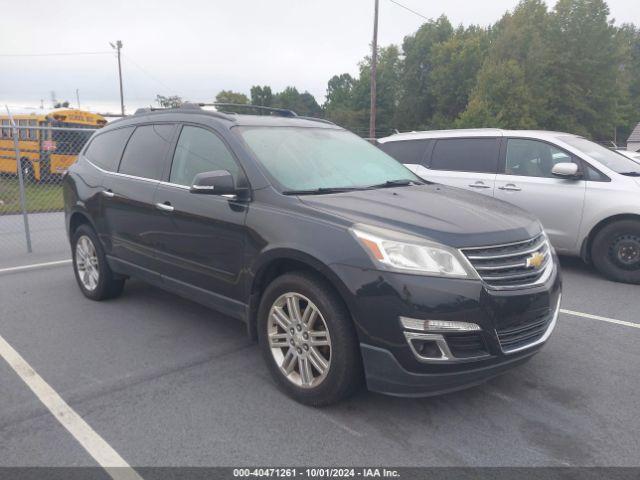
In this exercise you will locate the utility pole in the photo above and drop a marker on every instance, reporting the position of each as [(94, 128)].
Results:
[(78, 98), (118, 47), (374, 68)]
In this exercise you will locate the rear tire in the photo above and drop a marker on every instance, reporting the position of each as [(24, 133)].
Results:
[(615, 251), (318, 349), (94, 277)]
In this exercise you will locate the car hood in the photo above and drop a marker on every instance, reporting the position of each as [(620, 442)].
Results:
[(448, 215)]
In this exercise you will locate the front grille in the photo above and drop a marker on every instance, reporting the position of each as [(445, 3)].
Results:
[(512, 265), (524, 332), (466, 345)]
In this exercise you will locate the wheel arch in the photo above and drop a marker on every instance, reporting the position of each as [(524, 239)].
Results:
[(77, 218), (281, 261), (585, 251)]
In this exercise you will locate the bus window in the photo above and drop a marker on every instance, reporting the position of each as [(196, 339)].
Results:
[(33, 133), (23, 131), (70, 142), (6, 129)]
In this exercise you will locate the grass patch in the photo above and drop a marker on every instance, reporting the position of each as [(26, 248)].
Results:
[(40, 197)]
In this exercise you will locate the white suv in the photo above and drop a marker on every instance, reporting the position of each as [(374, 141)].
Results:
[(587, 196)]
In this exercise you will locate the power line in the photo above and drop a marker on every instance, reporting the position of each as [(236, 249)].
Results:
[(408, 9), (51, 54), (160, 82)]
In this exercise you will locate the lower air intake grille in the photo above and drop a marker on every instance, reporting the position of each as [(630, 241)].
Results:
[(514, 265), (523, 333), (466, 345)]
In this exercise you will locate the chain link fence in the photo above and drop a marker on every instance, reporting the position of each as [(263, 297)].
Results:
[(33, 160)]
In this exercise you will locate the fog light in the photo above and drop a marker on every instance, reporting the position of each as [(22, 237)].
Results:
[(438, 325), (427, 348)]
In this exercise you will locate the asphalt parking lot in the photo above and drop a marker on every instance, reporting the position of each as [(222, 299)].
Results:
[(166, 382)]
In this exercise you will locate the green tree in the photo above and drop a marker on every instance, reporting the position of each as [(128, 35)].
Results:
[(262, 96), (513, 83), (628, 82), (585, 69), (301, 103), (169, 102), (229, 96), (417, 99), (456, 63), (502, 99), (348, 99), (340, 106)]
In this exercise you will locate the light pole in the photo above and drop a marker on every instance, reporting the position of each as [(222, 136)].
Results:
[(118, 47), (374, 67)]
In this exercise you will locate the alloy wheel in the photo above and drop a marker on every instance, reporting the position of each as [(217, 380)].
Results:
[(299, 340), (87, 263)]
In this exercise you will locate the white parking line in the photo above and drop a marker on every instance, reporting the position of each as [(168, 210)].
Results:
[(34, 266), (93, 443), (602, 319)]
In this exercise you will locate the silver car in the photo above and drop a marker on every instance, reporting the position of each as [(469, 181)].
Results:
[(635, 156), (587, 196)]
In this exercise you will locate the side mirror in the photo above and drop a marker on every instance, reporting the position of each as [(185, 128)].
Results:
[(565, 170), (217, 182)]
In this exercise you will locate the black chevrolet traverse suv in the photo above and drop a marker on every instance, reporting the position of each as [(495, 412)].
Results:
[(344, 265)]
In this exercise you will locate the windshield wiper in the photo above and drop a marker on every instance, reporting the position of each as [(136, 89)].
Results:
[(396, 183), (630, 174), (321, 190)]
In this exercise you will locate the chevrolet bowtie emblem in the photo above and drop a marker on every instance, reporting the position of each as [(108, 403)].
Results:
[(535, 260)]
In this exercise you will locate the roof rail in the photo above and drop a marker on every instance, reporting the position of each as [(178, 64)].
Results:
[(183, 106), (282, 112), (317, 119)]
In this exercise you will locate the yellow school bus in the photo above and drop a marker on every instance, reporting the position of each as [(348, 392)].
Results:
[(47, 150)]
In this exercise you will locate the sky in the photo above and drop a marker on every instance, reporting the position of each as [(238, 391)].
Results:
[(195, 48)]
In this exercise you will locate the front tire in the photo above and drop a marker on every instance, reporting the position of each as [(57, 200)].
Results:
[(615, 251), (308, 340), (94, 277)]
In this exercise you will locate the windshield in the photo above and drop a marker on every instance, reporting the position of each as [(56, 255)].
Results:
[(300, 159), (611, 159)]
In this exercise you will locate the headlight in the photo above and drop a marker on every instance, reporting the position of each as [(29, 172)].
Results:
[(411, 254)]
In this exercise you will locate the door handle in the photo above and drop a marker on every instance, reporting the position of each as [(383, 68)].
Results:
[(510, 187), (108, 193), (165, 207), (479, 185)]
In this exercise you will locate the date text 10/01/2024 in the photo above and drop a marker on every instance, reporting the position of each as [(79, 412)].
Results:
[(316, 472)]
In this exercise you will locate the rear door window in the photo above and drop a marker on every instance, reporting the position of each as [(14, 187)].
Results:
[(466, 155), (406, 151), (145, 153), (106, 149)]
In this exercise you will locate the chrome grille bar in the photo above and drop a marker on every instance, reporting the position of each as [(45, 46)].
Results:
[(514, 265)]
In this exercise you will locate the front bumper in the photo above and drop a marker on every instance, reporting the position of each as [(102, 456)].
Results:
[(385, 375), (378, 299)]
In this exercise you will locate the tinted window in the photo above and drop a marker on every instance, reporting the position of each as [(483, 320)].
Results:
[(408, 151), (466, 155), (199, 150), (145, 152), (531, 158), (106, 149)]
